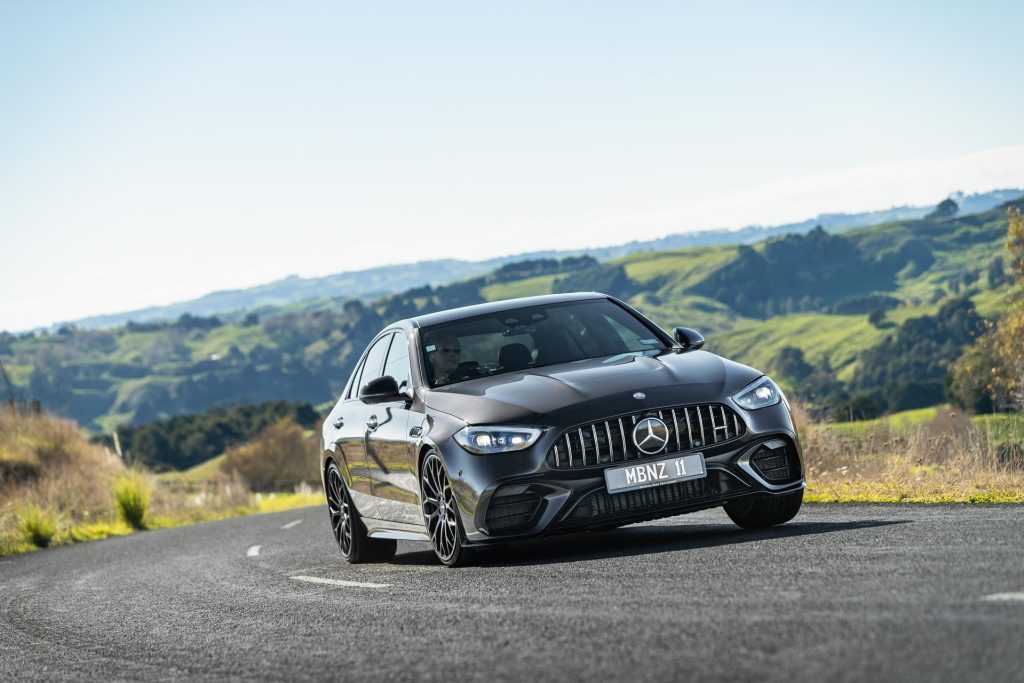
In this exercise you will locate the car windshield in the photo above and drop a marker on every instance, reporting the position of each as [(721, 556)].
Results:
[(524, 338)]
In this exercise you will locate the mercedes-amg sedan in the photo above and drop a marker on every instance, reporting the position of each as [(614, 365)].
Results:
[(550, 414)]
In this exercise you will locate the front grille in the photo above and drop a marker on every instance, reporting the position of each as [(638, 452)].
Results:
[(600, 503), (506, 513), (776, 462), (609, 441)]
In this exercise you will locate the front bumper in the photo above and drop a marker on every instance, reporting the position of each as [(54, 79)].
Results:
[(518, 495)]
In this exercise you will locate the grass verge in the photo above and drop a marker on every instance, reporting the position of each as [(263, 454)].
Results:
[(936, 455), (260, 503), (56, 488)]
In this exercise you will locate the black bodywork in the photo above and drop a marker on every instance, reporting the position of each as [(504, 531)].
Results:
[(586, 408)]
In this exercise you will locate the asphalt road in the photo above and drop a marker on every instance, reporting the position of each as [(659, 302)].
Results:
[(879, 593)]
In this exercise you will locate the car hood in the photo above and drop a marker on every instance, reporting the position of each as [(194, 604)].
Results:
[(571, 393)]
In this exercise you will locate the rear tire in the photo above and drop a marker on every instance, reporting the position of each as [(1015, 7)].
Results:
[(347, 524), (758, 513)]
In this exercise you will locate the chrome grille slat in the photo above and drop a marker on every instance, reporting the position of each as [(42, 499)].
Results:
[(714, 424), (675, 428), (661, 416), (608, 440)]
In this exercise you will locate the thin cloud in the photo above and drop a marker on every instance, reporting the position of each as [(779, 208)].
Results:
[(865, 188)]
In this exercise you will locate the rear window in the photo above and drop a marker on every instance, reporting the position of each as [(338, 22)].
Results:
[(525, 338)]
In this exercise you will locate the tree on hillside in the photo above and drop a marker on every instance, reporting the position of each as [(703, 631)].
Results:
[(608, 279), (1015, 243), (995, 365), (947, 208), (909, 368), (790, 363), (876, 317), (807, 272), (1009, 335), (996, 274)]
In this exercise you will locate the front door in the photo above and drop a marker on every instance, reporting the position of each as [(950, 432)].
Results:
[(390, 449)]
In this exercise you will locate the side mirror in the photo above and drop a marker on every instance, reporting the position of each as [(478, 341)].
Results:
[(381, 390), (690, 340)]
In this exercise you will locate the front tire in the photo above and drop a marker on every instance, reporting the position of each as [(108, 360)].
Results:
[(441, 512), (347, 524), (758, 513)]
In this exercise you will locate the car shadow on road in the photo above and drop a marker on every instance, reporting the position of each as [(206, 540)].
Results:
[(641, 540)]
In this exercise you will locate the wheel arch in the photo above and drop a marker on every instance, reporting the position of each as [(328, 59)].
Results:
[(421, 454)]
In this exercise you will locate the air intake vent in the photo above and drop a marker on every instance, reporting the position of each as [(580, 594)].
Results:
[(609, 441), (776, 462), (508, 512), (600, 503)]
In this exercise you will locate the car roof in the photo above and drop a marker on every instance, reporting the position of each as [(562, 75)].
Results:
[(453, 314)]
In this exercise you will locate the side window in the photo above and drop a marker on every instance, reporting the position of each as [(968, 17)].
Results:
[(397, 364), (353, 389), (373, 363)]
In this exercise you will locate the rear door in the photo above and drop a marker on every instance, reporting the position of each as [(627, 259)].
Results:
[(348, 420)]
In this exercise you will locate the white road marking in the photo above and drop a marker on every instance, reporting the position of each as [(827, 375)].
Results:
[(254, 551), (1004, 597), (289, 525), (338, 582)]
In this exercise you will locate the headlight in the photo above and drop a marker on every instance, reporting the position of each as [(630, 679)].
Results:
[(495, 439), (760, 394)]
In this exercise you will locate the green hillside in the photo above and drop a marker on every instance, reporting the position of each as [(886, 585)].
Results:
[(818, 301), (305, 293)]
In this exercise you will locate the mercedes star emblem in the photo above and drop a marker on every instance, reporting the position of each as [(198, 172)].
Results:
[(650, 435)]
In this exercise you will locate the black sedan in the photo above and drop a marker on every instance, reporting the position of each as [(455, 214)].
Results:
[(501, 421)]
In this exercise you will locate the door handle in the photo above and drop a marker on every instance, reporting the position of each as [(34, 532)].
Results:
[(372, 423), (339, 423)]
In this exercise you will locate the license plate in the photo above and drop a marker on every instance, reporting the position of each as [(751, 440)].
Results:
[(655, 473)]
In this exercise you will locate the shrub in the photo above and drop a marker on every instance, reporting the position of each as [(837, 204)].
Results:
[(38, 525), (132, 491), (184, 441), (280, 457)]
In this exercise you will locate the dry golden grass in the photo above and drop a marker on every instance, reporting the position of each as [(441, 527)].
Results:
[(57, 488), (49, 464), (950, 459)]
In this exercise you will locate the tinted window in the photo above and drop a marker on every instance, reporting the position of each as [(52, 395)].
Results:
[(629, 336), (533, 337), (397, 364), (373, 363)]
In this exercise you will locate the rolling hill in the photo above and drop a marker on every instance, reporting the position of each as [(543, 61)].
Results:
[(816, 302), (384, 280)]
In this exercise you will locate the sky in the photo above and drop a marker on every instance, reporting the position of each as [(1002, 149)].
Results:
[(151, 152)]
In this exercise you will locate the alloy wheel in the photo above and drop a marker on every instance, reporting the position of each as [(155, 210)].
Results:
[(338, 506)]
